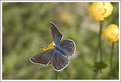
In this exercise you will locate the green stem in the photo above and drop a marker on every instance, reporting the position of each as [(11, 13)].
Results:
[(95, 75), (111, 59), (100, 49), (56, 75), (100, 45)]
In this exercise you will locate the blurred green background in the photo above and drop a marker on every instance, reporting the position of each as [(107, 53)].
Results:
[(26, 29)]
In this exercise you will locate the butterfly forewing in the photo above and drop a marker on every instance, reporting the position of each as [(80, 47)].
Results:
[(68, 46), (56, 34), (44, 57)]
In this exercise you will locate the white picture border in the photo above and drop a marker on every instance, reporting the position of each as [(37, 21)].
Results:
[(1, 1)]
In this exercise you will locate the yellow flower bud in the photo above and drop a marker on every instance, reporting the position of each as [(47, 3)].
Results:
[(100, 10), (111, 33), (50, 46)]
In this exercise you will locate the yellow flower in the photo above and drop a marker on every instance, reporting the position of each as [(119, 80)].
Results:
[(50, 46), (100, 10), (111, 33)]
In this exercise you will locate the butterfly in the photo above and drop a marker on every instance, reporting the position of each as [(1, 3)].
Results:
[(59, 55)]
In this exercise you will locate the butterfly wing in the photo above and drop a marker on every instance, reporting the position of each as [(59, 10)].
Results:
[(59, 61), (43, 58), (68, 46), (56, 34)]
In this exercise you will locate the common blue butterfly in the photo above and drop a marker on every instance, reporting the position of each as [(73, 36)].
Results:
[(58, 56)]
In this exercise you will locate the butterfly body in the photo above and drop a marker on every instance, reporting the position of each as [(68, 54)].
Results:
[(60, 50), (58, 56)]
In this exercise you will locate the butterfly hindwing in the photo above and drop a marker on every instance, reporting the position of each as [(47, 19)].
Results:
[(68, 46), (56, 34), (44, 57), (59, 61)]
